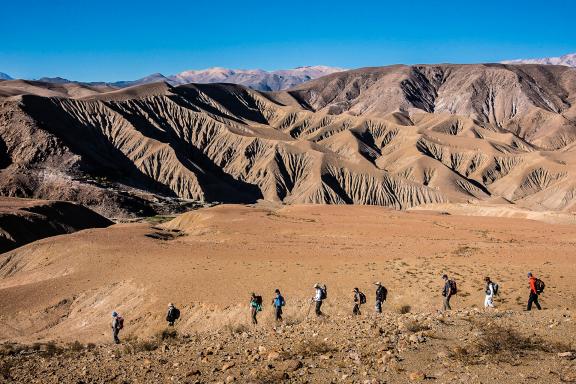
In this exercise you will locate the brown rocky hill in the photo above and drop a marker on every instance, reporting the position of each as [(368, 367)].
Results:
[(397, 136), (23, 221)]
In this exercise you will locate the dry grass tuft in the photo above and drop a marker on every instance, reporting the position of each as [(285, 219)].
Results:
[(403, 309), (311, 348), (414, 326), (76, 346), (502, 344), (5, 368), (167, 334), (235, 329)]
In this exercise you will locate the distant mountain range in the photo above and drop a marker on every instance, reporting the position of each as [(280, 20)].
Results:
[(568, 60), (257, 79)]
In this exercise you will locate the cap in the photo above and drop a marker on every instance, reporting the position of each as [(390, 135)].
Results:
[(355, 290), (377, 283), (529, 274), (170, 305), (316, 285), (114, 314)]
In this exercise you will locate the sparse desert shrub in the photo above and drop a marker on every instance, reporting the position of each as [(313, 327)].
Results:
[(146, 346), (502, 344), (414, 326), (309, 348), (235, 329), (76, 346), (403, 309), (5, 367), (167, 334), (51, 349), (465, 251)]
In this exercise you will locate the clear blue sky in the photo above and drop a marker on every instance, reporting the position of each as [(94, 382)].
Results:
[(121, 40)]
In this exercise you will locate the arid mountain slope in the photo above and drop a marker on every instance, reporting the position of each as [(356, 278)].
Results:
[(394, 136), (23, 221)]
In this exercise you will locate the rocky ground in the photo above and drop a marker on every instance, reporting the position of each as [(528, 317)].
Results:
[(460, 346)]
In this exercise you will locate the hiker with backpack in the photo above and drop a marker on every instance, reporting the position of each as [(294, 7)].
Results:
[(536, 288), (491, 290), (255, 307), (117, 325), (448, 291), (172, 315), (278, 302), (381, 294), (359, 299), (319, 297)]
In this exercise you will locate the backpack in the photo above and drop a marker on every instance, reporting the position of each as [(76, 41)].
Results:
[(539, 285), (495, 288), (381, 293), (120, 322), (362, 298), (323, 293), (258, 300), (173, 314), (281, 300), (453, 287)]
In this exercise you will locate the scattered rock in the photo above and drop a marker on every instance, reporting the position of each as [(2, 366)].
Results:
[(417, 376), (291, 365), (273, 356), (228, 365)]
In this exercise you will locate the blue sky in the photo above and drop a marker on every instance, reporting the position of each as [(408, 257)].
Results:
[(121, 40)]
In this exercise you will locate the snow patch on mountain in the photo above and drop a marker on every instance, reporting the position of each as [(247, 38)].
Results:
[(568, 60)]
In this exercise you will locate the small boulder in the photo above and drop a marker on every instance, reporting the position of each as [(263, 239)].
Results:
[(417, 376), (291, 365), (273, 356)]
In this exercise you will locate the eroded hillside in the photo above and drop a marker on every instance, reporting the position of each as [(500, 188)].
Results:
[(394, 136)]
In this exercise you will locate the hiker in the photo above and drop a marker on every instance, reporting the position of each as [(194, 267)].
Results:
[(278, 303), (255, 307), (117, 325), (448, 291), (536, 288), (359, 299), (319, 297), (381, 293), (172, 315), (490, 292)]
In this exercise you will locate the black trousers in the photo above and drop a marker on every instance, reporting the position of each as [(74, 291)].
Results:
[(115, 332), (533, 299), (356, 309), (318, 305), (278, 313)]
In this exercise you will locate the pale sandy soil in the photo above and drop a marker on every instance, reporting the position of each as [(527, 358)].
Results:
[(65, 287)]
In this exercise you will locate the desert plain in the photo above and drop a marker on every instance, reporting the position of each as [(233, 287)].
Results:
[(57, 294)]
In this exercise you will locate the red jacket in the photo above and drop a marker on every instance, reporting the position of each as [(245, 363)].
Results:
[(533, 284)]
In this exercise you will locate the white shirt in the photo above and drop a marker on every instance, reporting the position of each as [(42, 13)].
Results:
[(318, 296), (491, 289)]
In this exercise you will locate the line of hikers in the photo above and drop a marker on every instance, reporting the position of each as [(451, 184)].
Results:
[(359, 298)]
